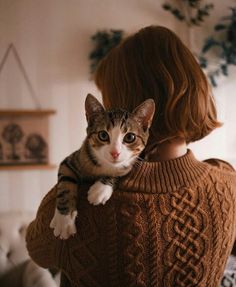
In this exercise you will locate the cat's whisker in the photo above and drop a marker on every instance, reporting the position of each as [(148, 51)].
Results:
[(137, 163)]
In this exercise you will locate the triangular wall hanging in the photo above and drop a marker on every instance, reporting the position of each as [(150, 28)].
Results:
[(24, 134)]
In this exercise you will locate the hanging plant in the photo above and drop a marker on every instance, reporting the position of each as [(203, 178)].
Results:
[(103, 41), (193, 12), (224, 45)]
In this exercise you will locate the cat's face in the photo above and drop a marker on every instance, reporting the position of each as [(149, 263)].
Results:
[(116, 137)]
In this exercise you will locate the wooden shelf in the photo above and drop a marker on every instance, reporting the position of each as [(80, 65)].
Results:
[(27, 112), (28, 167)]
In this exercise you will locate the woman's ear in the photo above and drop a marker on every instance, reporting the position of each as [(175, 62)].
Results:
[(92, 106), (144, 113)]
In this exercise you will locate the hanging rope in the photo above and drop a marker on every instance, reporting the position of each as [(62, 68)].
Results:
[(12, 48)]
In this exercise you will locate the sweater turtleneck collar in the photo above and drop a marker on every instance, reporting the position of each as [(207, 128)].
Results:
[(164, 176)]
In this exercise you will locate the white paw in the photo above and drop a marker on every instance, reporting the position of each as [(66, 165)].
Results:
[(63, 225), (99, 193)]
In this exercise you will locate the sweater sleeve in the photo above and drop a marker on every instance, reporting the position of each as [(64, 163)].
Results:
[(43, 247), (224, 166)]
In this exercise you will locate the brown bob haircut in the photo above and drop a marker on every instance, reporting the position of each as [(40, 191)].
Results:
[(154, 63)]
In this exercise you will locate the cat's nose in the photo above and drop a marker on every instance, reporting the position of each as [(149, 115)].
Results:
[(115, 154)]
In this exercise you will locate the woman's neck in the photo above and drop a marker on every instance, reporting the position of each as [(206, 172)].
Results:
[(169, 149)]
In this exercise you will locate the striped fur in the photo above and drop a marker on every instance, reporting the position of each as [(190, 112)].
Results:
[(99, 160)]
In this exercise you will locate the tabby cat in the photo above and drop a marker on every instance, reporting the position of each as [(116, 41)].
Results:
[(114, 141)]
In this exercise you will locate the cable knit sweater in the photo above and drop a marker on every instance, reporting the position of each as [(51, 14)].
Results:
[(168, 224)]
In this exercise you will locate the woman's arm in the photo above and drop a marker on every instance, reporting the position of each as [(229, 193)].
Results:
[(43, 247)]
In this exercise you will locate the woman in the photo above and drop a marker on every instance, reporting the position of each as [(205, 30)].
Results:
[(171, 221)]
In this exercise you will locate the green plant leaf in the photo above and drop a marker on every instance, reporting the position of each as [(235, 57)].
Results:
[(224, 69), (220, 27), (212, 80), (209, 43)]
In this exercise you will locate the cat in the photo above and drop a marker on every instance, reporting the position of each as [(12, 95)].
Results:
[(115, 139)]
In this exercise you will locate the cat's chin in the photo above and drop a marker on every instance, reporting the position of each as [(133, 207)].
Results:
[(115, 168)]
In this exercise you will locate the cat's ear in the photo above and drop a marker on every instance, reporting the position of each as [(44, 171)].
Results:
[(92, 106), (144, 113)]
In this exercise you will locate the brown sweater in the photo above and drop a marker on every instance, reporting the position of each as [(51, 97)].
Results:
[(169, 223)]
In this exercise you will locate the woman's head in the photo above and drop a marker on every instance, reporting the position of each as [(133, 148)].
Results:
[(154, 63)]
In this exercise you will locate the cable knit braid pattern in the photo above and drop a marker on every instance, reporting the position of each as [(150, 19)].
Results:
[(184, 231), (169, 223)]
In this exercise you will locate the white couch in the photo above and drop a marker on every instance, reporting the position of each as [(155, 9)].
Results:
[(16, 268)]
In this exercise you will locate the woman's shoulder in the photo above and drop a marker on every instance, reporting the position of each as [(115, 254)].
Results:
[(222, 172), (220, 164)]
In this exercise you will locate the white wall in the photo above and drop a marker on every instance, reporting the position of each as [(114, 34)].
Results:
[(53, 40)]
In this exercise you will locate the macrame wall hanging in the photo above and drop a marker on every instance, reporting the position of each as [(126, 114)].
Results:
[(24, 133)]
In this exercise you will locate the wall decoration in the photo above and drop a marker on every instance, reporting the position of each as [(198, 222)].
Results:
[(36, 147), (1, 152), (24, 134), (12, 134), (24, 137)]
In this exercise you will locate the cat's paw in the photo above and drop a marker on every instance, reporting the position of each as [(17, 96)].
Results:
[(99, 193), (63, 225)]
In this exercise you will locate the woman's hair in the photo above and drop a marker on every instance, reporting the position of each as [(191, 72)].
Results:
[(154, 63)]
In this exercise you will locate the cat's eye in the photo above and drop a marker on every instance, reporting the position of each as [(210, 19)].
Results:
[(103, 136), (129, 138)]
